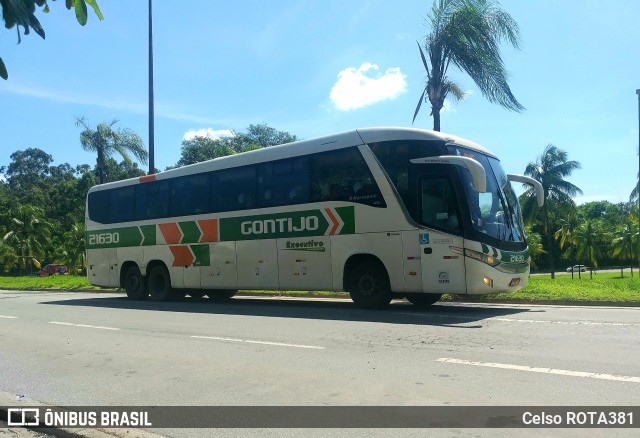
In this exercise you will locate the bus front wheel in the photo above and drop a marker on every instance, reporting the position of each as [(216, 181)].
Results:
[(159, 283), (422, 301), (134, 284), (369, 286)]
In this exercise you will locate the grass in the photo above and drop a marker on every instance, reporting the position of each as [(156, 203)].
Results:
[(607, 286), (55, 282)]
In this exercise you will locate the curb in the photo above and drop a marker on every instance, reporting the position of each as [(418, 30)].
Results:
[(345, 296)]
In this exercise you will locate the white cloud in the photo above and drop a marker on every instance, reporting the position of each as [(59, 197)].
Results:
[(208, 132), (356, 89)]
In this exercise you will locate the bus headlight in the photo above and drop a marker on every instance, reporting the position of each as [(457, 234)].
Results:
[(484, 258)]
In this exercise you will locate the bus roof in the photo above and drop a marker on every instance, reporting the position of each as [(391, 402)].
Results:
[(303, 147)]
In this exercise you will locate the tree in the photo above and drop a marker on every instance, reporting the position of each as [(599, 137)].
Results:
[(26, 175), (625, 241), (467, 33), (587, 236), (105, 141), (8, 257), (200, 149), (534, 242), (550, 169), (28, 233), (264, 136), (16, 13), (73, 247), (567, 235), (203, 148)]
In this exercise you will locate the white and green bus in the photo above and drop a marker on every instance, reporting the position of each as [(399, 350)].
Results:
[(381, 213)]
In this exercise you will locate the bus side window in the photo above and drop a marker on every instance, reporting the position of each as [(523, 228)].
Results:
[(190, 195), (152, 201), (283, 182), (99, 206), (122, 204), (347, 177), (234, 189)]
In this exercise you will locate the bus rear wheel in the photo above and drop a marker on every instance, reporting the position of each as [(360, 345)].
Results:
[(159, 283), (369, 286), (135, 285), (422, 301)]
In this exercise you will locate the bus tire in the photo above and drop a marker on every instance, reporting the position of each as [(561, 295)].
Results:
[(423, 301), (221, 294), (135, 285), (159, 283), (369, 285)]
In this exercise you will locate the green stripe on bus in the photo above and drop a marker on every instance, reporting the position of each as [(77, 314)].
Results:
[(191, 232), (149, 235), (348, 216), (340, 220), (201, 253)]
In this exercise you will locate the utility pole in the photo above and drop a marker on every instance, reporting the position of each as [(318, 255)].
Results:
[(638, 186), (152, 166)]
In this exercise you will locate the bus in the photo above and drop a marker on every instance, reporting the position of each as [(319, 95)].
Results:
[(380, 213)]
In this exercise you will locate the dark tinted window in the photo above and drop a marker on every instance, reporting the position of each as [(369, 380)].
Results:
[(234, 189), (340, 175), (283, 182), (152, 200), (99, 204), (343, 175), (395, 156), (190, 195), (122, 202)]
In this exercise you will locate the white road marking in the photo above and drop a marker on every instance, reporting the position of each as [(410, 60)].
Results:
[(506, 366), (83, 325), (249, 341), (542, 321), (8, 317)]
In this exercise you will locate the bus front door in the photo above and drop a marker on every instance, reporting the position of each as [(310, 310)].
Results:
[(443, 271)]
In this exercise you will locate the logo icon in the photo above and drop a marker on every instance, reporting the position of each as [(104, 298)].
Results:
[(424, 239), (23, 417)]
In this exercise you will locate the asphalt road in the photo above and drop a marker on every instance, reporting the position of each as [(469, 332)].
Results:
[(75, 349)]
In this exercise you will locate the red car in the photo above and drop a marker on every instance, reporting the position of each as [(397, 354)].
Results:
[(53, 270)]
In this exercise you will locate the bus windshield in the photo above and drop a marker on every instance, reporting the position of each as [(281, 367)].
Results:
[(495, 212)]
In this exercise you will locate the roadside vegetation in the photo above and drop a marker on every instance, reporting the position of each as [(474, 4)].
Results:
[(604, 287)]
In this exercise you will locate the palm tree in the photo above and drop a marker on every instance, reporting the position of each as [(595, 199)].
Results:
[(534, 242), (105, 140), (8, 257), (567, 235), (626, 241), (73, 248), (587, 236), (28, 233), (467, 33), (550, 169)]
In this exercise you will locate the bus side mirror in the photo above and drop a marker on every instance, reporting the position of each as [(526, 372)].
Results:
[(478, 174), (537, 187)]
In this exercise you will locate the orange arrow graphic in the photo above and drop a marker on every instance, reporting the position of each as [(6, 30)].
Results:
[(182, 256)]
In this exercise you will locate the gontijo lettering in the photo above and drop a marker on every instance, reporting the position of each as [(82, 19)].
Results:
[(280, 225)]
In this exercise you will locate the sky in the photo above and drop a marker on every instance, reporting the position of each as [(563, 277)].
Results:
[(314, 68)]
